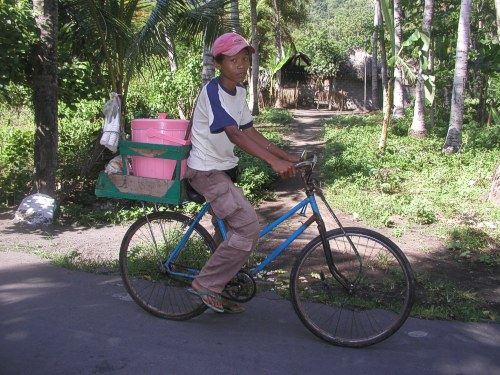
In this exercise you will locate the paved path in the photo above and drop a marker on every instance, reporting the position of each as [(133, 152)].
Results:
[(55, 321)]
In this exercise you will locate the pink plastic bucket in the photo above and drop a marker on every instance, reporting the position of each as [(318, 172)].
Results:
[(163, 132)]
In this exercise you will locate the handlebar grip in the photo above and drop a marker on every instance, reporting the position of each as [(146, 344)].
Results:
[(304, 163)]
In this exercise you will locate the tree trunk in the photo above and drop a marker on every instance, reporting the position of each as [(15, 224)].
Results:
[(454, 138), (254, 78), (331, 81), (377, 23), (387, 117), (383, 62), (208, 70), (278, 42), (235, 16), (399, 105), (418, 128), (479, 77), (432, 110), (497, 7), (45, 96), (172, 60)]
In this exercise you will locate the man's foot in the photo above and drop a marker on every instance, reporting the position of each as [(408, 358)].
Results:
[(210, 299), (231, 307)]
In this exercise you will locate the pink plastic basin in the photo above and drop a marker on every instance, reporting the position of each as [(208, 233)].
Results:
[(163, 132)]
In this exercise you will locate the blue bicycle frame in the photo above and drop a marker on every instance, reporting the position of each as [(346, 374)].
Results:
[(302, 206)]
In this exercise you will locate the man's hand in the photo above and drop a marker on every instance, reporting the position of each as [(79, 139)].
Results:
[(284, 168)]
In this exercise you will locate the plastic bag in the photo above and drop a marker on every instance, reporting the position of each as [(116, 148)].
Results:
[(112, 116)]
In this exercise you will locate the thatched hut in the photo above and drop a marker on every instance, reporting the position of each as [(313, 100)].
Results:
[(351, 89), (297, 86)]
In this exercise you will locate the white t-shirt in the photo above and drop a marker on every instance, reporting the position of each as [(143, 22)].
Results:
[(216, 109)]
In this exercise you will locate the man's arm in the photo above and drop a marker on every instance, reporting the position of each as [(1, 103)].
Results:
[(269, 146), (251, 141)]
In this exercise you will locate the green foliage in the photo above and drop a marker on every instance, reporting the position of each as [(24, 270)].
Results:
[(412, 181), (327, 56), (79, 128), (275, 116), (336, 18), (113, 212), (16, 154), (76, 83), (163, 91), (17, 37)]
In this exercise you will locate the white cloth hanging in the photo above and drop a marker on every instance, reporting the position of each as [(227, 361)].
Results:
[(112, 116)]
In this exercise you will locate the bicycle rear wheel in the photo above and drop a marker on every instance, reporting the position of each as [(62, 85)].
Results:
[(144, 249), (373, 302)]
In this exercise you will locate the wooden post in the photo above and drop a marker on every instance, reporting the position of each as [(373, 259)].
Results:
[(296, 94)]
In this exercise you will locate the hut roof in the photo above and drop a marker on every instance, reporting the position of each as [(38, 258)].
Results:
[(355, 65)]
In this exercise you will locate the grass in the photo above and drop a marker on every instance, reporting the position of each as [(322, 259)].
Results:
[(439, 299), (77, 262), (73, 260), (413, 182)]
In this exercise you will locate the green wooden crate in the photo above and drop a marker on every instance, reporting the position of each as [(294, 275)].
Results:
[(126, 186)]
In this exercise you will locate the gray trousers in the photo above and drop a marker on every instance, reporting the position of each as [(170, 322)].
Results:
[(228, 203)]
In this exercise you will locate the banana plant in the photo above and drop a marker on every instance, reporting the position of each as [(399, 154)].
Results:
[(420, 39)]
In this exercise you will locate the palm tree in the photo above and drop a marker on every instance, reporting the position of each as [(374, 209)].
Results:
[(254, 78), (399, 106), (279, 48), (235, 16), (454, 138), (497, 7), (418, 128), (377, 24), (387, 83), (128, 32), (45, 96)]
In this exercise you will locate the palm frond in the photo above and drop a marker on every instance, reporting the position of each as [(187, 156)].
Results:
[(201, 21)]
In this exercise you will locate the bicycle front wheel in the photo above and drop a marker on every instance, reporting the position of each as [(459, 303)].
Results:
[(363, 298), (144, 249)]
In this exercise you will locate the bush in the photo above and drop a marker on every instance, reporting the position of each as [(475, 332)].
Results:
[(16, 160)]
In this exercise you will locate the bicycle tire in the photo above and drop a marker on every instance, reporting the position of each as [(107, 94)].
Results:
[(376, 304), (145, 247)]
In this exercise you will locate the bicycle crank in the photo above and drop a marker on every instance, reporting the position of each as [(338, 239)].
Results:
[(241, 288)]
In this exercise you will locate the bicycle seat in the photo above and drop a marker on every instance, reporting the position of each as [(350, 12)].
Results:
[(193, 195)]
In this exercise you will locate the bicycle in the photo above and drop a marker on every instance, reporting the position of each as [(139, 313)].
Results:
[(349, 286)]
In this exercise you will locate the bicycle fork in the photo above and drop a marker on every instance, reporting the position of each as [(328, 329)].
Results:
[(348, 285)]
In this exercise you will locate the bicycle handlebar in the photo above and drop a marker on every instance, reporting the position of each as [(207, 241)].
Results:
[(309, 161)]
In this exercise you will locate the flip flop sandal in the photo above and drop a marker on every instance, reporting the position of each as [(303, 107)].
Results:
[(202, 293), (232, 308)]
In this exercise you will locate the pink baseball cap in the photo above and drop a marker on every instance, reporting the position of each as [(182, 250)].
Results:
[(230, 44)]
